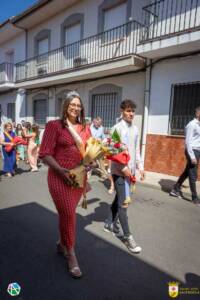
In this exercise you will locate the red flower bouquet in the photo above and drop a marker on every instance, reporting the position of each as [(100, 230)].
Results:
[(17, 140), (115, 150)]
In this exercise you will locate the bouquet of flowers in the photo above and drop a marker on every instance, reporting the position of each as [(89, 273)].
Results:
[(94, 150), (118, 152), (17, 140), (115, 150)]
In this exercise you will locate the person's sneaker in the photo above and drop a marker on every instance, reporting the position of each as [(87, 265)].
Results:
[(176, 193), (132, 245), (112, 228)]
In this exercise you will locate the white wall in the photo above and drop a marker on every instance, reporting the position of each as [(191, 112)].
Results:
[(165, 74), (132, 88), (18, 45), (90, 10)]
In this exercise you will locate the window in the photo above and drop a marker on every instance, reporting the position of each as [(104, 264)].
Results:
[(72, 29), (185, 98), (11, 111), (43, 46), (105, 106), (113, 13), (73, 34), (40, 111), (114, 17)]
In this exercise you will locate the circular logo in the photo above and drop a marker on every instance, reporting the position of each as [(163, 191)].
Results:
[(14, 289)]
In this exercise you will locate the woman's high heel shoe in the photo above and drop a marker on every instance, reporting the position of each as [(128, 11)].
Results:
[(73, 266)]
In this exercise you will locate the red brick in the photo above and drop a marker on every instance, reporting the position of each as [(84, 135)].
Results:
[(165, 154)]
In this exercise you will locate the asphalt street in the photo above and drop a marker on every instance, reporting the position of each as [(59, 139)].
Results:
[(167, 228)]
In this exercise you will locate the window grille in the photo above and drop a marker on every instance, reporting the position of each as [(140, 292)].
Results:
[(185, 98), (40, 111), (11, 111), (105, 106)]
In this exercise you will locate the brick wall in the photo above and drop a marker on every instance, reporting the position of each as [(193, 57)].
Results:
[(165, 154)]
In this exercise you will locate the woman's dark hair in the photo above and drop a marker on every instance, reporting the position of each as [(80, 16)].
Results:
[(17, 129), (128, 104), (28, 125), (68, 98), (35, 129)]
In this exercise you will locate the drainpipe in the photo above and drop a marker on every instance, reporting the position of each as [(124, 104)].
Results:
[(146, 108)]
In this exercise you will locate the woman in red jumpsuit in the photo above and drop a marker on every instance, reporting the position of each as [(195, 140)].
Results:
[(59, 151)]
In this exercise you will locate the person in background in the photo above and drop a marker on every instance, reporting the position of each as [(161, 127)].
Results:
[(14, 126), (9, 158), (32, 151), (23, 123), (62, 148), (97, 129), (192, 153), (20, 148), (122, 175), (26, 131)]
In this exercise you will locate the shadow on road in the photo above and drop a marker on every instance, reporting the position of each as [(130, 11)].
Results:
[(28, 256), (167, 185)]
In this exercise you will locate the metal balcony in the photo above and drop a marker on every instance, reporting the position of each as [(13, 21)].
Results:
[(107, 46), (166, 18), (6, 73)]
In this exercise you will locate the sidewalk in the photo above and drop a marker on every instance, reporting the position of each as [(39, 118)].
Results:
[(165, 182)]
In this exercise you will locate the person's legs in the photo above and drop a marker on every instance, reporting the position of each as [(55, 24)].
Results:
[(122, 214), (176, 190), (32, 155), (119, 183), (193, 173), (111, 223), (114, 208), (66, 200), (112, 188), (182, 178)]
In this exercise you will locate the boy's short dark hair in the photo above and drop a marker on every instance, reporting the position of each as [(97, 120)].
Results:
[(197, 109), (127, 103)]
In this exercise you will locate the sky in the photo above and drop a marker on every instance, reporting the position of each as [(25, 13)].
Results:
[(9, 8)]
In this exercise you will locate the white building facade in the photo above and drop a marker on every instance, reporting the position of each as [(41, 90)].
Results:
[(107, 50)]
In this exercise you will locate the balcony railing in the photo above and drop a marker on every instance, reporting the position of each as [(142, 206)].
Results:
[(170, 17), (109, 45), (6, 72)]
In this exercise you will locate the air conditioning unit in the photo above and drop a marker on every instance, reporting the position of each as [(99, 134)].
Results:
[(41, 71), (80, 61)]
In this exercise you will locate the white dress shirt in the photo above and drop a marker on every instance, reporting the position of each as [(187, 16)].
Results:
[(192, 137), (130, 136)]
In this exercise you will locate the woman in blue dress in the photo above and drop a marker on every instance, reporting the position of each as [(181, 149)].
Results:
[(9, 158)]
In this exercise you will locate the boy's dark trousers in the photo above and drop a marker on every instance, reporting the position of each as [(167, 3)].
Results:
[(117, 210)]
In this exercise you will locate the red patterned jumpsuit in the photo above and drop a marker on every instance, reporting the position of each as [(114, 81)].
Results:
[(59, 143)]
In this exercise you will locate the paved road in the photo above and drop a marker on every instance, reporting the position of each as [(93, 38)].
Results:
[(166, 228)]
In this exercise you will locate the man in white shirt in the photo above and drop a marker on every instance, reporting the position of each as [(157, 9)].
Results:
[(122, 174), (192, 152)]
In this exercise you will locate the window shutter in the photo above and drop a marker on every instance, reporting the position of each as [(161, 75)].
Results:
[(115, 16)]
